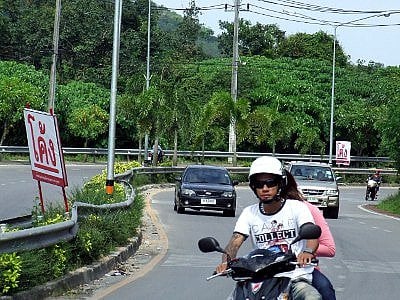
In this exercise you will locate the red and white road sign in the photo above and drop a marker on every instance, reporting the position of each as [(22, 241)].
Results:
[(45, 151), (343, 152)]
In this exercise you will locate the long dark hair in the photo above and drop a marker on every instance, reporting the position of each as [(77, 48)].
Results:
[(291, 191)]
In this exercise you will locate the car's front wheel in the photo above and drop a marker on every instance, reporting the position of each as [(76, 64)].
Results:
[(331, 212), (229, 213), (179, 209)]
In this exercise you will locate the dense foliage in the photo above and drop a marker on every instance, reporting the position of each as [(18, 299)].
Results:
[(284, 82)]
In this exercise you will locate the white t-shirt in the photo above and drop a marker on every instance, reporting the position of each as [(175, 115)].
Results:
[(276, 231)]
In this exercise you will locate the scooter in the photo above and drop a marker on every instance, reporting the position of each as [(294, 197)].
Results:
[(255, 273), (372, 189)]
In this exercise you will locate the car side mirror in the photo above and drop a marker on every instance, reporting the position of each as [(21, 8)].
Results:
[(235, 182), (178, 178)]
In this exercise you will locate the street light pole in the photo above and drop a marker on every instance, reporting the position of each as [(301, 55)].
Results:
[(113, 98), (53, 72), (332, 97), (146, 137), (333, 77), (235, 60)]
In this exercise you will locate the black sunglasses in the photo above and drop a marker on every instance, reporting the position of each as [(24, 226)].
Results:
[(259, 184)]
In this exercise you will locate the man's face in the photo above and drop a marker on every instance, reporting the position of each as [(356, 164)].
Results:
[(266, 186)]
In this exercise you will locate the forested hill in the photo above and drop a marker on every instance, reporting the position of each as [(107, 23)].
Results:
[(284, 82)]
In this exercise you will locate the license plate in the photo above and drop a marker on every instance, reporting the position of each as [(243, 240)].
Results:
[(312, 200), (208, 201)]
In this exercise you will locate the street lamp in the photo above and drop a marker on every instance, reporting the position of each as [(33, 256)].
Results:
[(333, 76), (235, 60)]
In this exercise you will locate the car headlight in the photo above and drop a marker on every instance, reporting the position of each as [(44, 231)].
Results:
[(227, 194), (331, 192), (188, 192)]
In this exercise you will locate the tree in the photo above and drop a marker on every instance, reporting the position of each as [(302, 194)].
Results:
[(318, 45), (14, 96), (253, 40), (213, 125), (188, 33), (148, 108), (88, 122), (78, 97), (20, 85), (269, 126)]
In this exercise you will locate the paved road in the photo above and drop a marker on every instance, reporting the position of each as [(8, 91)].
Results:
[(18, 190), (366, 266)]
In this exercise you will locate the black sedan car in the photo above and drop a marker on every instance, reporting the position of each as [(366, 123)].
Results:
[(205, 187)]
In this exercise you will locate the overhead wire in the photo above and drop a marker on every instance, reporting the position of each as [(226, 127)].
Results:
[(301, 18), (296, 17), (313, 7)]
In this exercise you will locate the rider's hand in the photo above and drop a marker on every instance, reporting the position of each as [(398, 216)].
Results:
[(221, 267), (304, 258)]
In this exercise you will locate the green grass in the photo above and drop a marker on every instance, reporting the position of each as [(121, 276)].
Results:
[(391, 204)]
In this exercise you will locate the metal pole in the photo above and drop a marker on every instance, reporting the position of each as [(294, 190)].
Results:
[(332, 97), (235, 60), (146, 139), (333, 77), (148, 48), (56, 37), (111, 129)]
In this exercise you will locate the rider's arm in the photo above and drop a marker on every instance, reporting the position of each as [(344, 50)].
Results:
[(326, 245), (308, 252), (232, 249), (234, 244)]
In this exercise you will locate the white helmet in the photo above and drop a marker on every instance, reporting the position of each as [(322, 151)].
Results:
[(266, 164)]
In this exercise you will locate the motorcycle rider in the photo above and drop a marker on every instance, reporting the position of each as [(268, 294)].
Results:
[(378, 179), (273, 223)]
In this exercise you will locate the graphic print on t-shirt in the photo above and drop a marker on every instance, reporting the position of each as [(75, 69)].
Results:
[(274, 236)]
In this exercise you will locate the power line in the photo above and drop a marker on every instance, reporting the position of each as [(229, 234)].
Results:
[(301, 18), (317, 8)]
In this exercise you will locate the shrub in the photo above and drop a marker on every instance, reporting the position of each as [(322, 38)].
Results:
[(10, 271), (99, 233)]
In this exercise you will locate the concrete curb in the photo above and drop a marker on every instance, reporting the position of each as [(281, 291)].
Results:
[(79, 276)]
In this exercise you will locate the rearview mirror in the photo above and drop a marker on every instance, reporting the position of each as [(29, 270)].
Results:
[(308, 231), (209, 244)]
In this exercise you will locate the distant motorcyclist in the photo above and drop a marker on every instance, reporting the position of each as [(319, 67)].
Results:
[(373, 183), (160, 154)]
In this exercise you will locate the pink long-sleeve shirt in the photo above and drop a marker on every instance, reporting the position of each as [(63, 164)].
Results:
[(326, 246)]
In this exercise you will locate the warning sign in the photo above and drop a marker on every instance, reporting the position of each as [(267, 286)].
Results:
[(343, 153), (45, 151)]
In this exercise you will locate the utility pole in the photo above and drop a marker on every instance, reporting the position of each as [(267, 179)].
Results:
[(235, 61), (146, 138), (56, 37)]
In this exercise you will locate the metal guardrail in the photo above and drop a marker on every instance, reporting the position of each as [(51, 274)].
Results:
[(199, 154), (44, 236)]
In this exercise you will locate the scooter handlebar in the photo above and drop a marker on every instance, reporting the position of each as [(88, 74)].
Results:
[(215, 274)]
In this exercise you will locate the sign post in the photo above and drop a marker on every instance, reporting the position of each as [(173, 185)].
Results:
[(46, 156)]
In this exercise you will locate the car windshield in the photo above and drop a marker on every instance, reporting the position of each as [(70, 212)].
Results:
[(207, 176), (312, 173)]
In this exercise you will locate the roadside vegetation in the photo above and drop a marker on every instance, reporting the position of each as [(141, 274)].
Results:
[(100, 232), (391, 204)]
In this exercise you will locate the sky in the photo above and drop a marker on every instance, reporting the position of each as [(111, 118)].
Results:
[(380, 44)]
